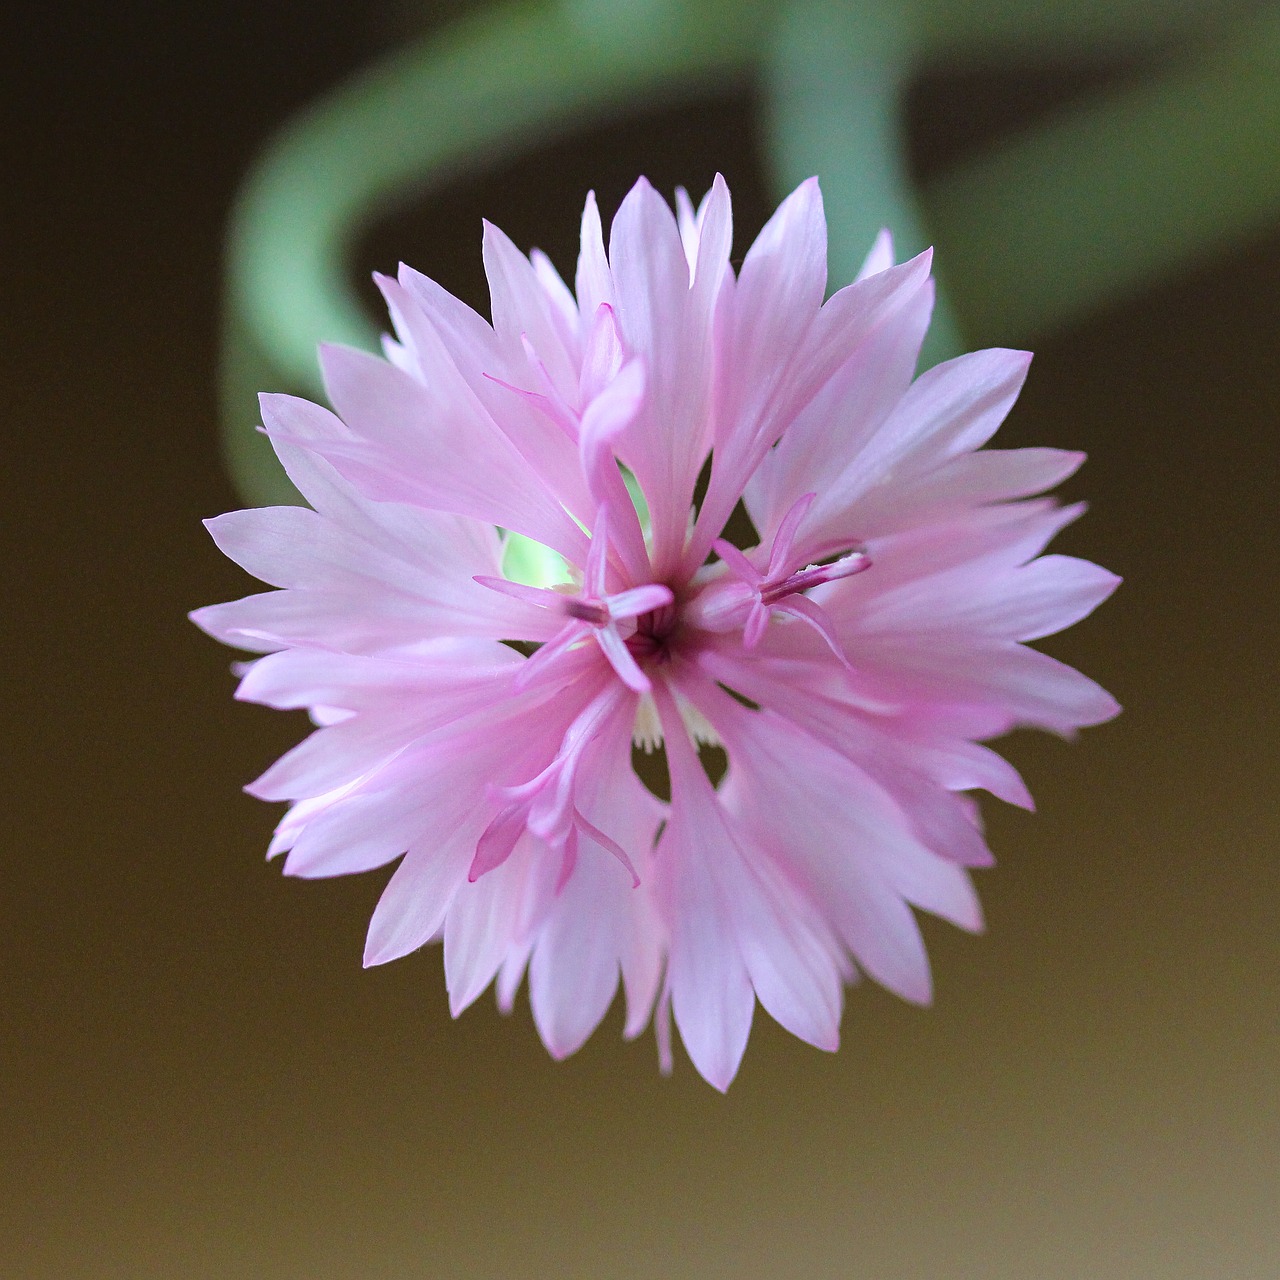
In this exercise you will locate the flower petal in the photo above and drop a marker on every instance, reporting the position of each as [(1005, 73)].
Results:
[(435, 449), (667, 323)]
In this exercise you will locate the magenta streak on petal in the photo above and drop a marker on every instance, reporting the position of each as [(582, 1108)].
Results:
[(545, 805), (551, 405)]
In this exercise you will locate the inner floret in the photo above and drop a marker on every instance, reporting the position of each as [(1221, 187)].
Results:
[(639, 629), (594, 611), (747, 597)]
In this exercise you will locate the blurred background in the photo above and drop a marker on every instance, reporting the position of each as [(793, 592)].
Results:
[(199, 1080)]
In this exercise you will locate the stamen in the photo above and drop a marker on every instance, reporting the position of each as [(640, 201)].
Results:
[(592, 612), (546, 805), (815, 575), (597, 614), (748, 598)]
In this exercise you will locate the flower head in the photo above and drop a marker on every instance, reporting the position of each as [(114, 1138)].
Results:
[(506, 578)]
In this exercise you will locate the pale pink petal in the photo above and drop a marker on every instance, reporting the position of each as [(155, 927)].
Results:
[(510, 975), (843, 415), (574, 972), (779, 937), (847, 842), (522, 308), (952, 408), (366, 586), (880, 257), (667, 323), (602, 356), (1024, 686), (912, 780), (593, 281), (958, 485), (334, 756), (848, 319), (417, 898), (687, 221), (364, 832), (564, 304), (780, 289), (491, 916), (573, 978), (715, 239), (977, 601), (499, 375), (600, 913), (435, 449), (1052, 593), (969, 766)]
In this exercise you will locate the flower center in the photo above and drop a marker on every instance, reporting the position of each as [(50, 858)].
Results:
[(655, 631)]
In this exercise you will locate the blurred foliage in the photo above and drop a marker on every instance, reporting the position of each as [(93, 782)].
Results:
[(1053, 222)]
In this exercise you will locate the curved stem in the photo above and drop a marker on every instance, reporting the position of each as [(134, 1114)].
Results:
[(835, 77), (1113, 194), (454, 102), (1078, 211)]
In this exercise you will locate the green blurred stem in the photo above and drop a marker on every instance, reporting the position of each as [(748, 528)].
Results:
[(1073, 214), (1116, 193), (503, 79), (834, 83)]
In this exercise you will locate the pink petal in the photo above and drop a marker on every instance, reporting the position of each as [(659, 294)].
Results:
[(687, 221), (880, 257), (789, 962), (363, 832), (417, 897), (564, 304), (847, 320), (593, 282), (952, 408), (360, 582), (667, 325), (1053, 593), (491, 917), (573, 975), (602, 358), (497, 373), (462, 463), (959, 484), (843, 415), (522, 308)]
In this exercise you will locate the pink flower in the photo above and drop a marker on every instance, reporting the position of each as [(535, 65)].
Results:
[(482, 619)]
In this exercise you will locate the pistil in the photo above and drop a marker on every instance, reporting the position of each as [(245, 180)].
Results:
[(591, 612), (748, 598)]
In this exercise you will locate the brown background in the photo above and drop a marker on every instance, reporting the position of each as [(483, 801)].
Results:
[(198, 1078)]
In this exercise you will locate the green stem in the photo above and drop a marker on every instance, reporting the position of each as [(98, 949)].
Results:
[(836, 74), (453, 103), (1076, 212), (1114, 194)]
